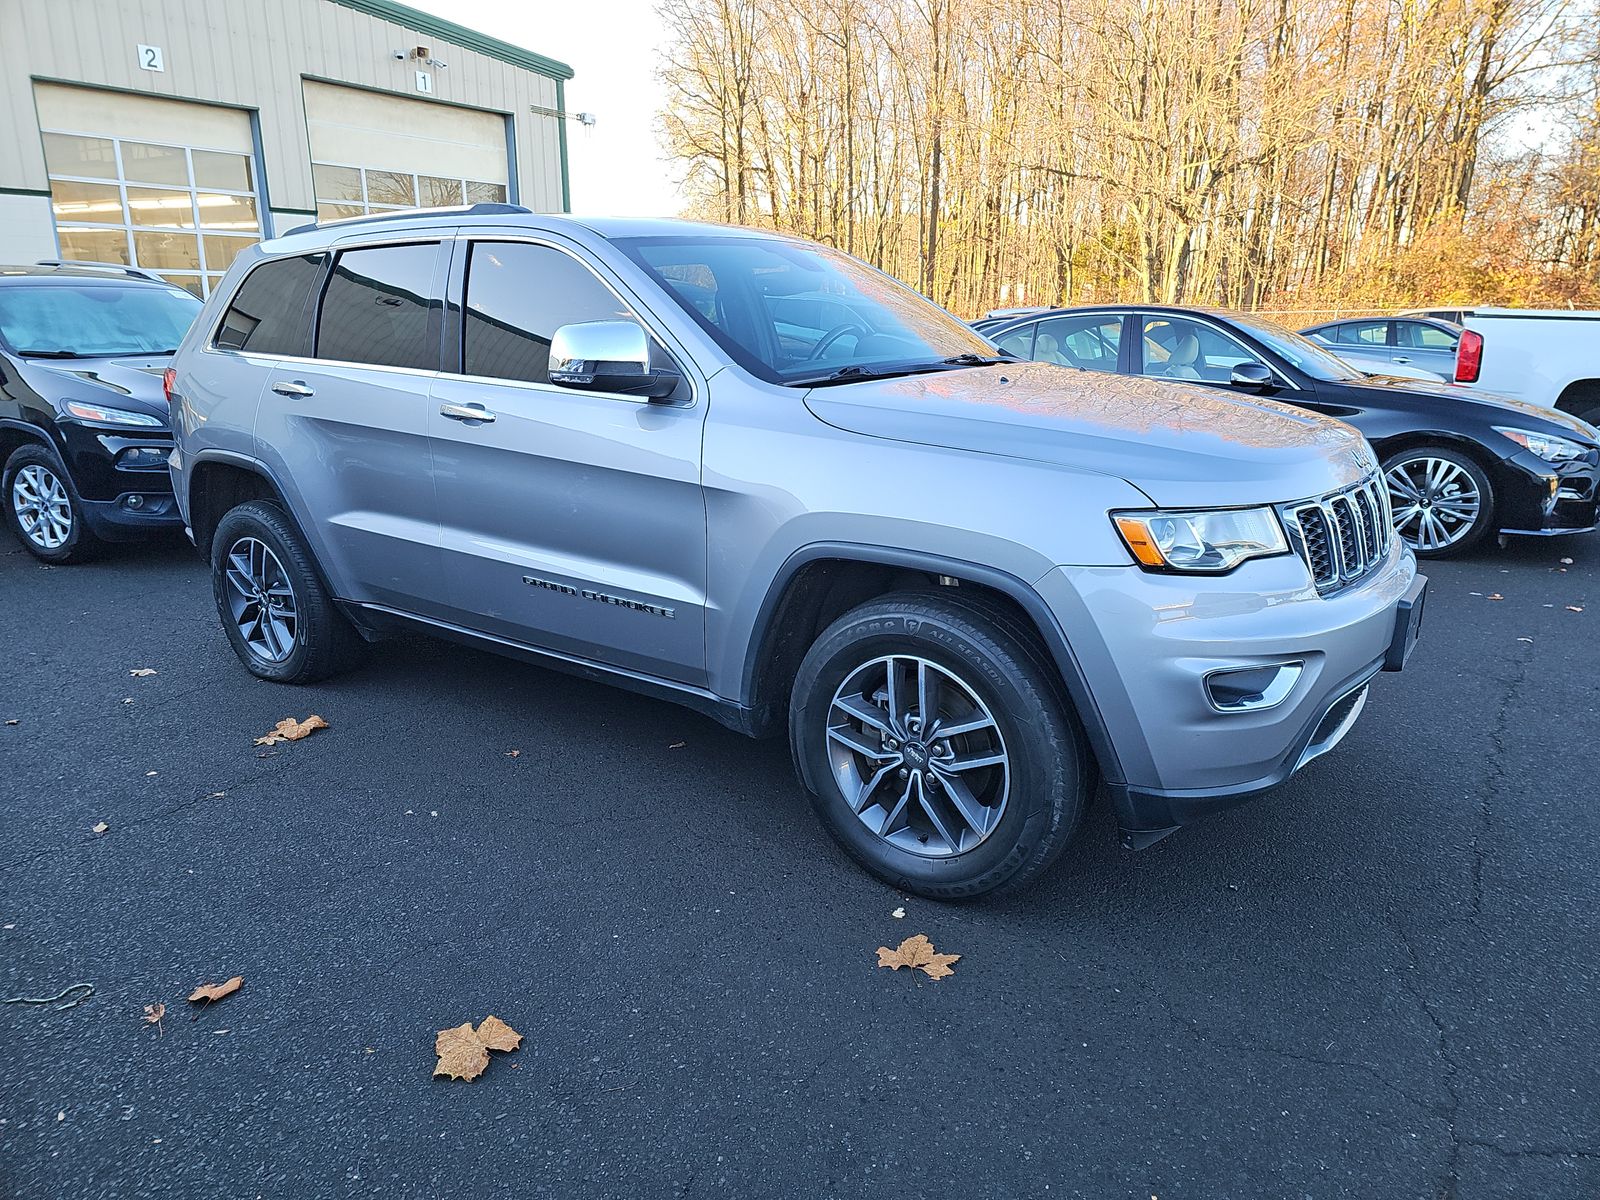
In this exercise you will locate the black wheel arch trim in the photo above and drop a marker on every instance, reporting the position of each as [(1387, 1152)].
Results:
[(1017, 589), (37, 433)]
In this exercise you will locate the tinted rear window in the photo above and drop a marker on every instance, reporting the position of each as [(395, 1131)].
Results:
[(269, 311), (377, 306)]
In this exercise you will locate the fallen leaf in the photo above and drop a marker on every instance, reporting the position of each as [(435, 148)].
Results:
[(1496, 596), (917, 952), (290, 730), (101, 827), (513, 753), (497, 1035), (1528, 640), (461, 1054), (147, 774), (212, 992), (216, 795), (677, 745), (142, 672), (1574, 608), (154, 1012)]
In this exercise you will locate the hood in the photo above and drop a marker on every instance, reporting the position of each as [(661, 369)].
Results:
[(1491, 406), (132, 383), (1181, 444)]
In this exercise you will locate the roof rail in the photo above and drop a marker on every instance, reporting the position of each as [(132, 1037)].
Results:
[(136, 272), (481, 208)]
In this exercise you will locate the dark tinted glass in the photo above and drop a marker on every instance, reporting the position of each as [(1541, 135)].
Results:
[(268, 313), (518, 295), (375, 309)]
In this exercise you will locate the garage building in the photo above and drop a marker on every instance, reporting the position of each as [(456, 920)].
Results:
[(170, 134)]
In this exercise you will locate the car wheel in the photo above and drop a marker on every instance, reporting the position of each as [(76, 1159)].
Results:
[(1443, 502), (278, 616), (936, 747), (42, 508)]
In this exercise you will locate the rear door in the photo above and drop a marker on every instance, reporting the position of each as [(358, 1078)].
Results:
[(348, 427), (572, 520), (1426, 345)]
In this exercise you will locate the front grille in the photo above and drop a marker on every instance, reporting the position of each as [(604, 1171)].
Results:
[(1342, 535)]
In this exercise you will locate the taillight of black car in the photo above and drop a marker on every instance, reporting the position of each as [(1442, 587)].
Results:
[(1469, 356)]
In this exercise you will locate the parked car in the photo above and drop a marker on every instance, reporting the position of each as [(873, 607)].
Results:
[(1384, 345), (1455, 316), (83, 422), (952, 577), (1459, 465), (1550, 358)]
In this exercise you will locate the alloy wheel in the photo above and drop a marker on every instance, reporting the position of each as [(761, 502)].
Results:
[(1436, 503), (261, 600), (42, 506), (918, 756)]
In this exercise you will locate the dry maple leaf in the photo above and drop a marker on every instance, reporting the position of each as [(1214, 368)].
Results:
[(216, 991), (141, 672), (290, 730), (461, 1054), (917, 952), (154, 1012), (497, 1035)]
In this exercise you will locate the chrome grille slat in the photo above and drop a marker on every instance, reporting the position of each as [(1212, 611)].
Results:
[(1344, 535)]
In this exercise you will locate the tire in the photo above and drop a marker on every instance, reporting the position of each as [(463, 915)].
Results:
[(305, 637), (1432, 490), (910, 833), (43, 508)]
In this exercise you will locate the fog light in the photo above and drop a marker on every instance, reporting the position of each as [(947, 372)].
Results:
[(1249, 689), (134, 501)]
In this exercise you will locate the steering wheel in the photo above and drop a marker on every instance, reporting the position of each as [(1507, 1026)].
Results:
[(832, 336)]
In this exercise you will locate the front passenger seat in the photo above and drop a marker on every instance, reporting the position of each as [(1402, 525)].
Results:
[(1180, 363)]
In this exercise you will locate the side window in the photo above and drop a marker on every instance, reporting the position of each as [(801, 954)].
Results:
[(1362, 333), (1090, 341), (1417, 336), (375, 307), (268, 312), (518, 295), (1019, 341), (1175, 348)]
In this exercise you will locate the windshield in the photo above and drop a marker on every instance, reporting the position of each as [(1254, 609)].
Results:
[(800, 314), (94, 319), (1301, 352)]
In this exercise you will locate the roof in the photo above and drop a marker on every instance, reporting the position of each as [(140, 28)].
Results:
[(506, 215), (44, 273), (459, 35)]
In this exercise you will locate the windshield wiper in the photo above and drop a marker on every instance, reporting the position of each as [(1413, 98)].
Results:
[(980, 360), (855, 373), (48, 354)]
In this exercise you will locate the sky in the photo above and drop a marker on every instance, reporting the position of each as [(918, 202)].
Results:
[(616, 165)]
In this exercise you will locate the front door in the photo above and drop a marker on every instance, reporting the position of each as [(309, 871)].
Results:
[(571, 520)]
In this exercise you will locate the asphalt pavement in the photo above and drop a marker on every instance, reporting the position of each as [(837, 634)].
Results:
[(1378, 982)]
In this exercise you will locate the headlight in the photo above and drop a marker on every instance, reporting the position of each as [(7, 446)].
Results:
[(108, 416), (1203, 540), (1546, 445)]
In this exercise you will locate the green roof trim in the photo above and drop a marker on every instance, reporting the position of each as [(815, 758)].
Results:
[(459, 35)]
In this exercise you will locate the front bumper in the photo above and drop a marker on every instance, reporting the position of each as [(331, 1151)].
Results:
[(1146, 645), (1541, 499)]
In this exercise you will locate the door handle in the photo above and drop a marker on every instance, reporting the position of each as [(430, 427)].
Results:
[(292, 388), (1400, 358), (466, 412)]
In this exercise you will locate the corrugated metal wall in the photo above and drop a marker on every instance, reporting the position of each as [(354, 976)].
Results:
[(254, 54)]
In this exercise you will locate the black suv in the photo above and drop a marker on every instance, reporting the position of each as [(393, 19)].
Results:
[(83, 411)]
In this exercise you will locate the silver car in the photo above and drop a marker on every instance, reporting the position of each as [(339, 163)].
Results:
[(1387, 345), (760, 478)]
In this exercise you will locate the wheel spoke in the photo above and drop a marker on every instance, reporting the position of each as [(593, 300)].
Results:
[(870, 786), (977, 817), (865, 711), (932, 810), (859, 742), (895, 813), (928, 691)]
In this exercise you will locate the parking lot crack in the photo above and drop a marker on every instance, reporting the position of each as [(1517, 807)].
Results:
[(1499, 781)]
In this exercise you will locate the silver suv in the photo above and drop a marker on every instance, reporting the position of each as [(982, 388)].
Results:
[(758, 477)]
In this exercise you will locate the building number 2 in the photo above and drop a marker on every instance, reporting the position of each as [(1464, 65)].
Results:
[(150, 59)]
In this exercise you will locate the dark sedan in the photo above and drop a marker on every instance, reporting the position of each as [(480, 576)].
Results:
[(1459, 465)]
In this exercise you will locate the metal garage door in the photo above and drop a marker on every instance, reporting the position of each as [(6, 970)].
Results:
[(163, 184), (372, 151)]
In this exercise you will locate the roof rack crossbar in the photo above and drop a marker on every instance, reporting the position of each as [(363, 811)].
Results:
[(480, 209), (136, 272)]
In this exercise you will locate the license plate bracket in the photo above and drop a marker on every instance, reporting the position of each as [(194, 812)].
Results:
[(1407, 624)]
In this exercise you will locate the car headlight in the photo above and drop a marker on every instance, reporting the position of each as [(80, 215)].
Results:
[(109, 416), (1546, 445), (1207, 541)]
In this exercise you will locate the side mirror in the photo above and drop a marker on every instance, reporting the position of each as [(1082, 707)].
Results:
[(608, 356), (1251, 376)]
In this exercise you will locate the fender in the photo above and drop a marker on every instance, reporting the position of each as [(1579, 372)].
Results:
[(39, 432), (1022, 592)]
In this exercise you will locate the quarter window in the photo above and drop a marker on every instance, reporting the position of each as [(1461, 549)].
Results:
[(268, 312), (518, 295), (1417, 336), (375, 308)]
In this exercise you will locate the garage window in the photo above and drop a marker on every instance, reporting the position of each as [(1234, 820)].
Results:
[(182, 211), (347, 191)]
